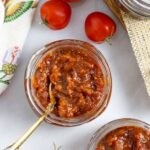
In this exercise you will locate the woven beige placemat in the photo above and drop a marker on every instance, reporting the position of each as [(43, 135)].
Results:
[(139, 34)]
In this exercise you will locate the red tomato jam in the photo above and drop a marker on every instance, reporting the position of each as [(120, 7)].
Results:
[(77, 79), (126, 138)]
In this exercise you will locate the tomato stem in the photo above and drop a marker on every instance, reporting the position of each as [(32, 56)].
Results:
[(108, 41), (41, 22), (44, 21)]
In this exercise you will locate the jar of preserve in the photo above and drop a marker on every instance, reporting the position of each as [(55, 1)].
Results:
[(80, 77), (139, 8), (122, 134)]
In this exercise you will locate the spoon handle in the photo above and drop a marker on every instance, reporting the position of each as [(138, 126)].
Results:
[(27, 134)]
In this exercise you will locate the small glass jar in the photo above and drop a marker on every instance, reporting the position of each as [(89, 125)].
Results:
[(73, 44), (103, 131), (139, 8)]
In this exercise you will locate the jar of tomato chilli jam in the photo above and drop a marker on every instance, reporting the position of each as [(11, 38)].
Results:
[(137, 8), (122, 134), (80, 77)]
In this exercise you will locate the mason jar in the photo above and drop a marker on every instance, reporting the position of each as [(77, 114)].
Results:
[(138, 8), (112, 126), (68, 44)]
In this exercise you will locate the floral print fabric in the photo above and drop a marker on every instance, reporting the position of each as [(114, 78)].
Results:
[(18, 13)]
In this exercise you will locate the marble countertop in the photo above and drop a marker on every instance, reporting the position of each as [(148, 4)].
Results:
[(129, 97)]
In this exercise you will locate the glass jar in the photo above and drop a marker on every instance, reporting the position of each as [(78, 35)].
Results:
[(139, 8), (73, 44), (103, 131)]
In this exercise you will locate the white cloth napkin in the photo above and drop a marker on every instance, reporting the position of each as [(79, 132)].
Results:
[(1, 14), (17, 22)]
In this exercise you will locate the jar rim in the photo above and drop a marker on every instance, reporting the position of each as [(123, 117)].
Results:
[(64, 121), (141, 8), (112, 125)]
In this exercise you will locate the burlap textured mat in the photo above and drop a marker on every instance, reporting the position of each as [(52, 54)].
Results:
[(139, 34)]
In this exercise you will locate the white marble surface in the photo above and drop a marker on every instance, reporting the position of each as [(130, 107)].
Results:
[(129, 97)]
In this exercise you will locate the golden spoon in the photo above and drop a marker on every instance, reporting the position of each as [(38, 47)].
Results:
[(27, 134)]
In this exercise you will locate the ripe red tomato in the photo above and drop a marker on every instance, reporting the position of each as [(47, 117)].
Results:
[(55, 14), (71, 0), (99, 27)]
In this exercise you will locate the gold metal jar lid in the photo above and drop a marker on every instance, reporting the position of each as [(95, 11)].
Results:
[(140, 8)]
